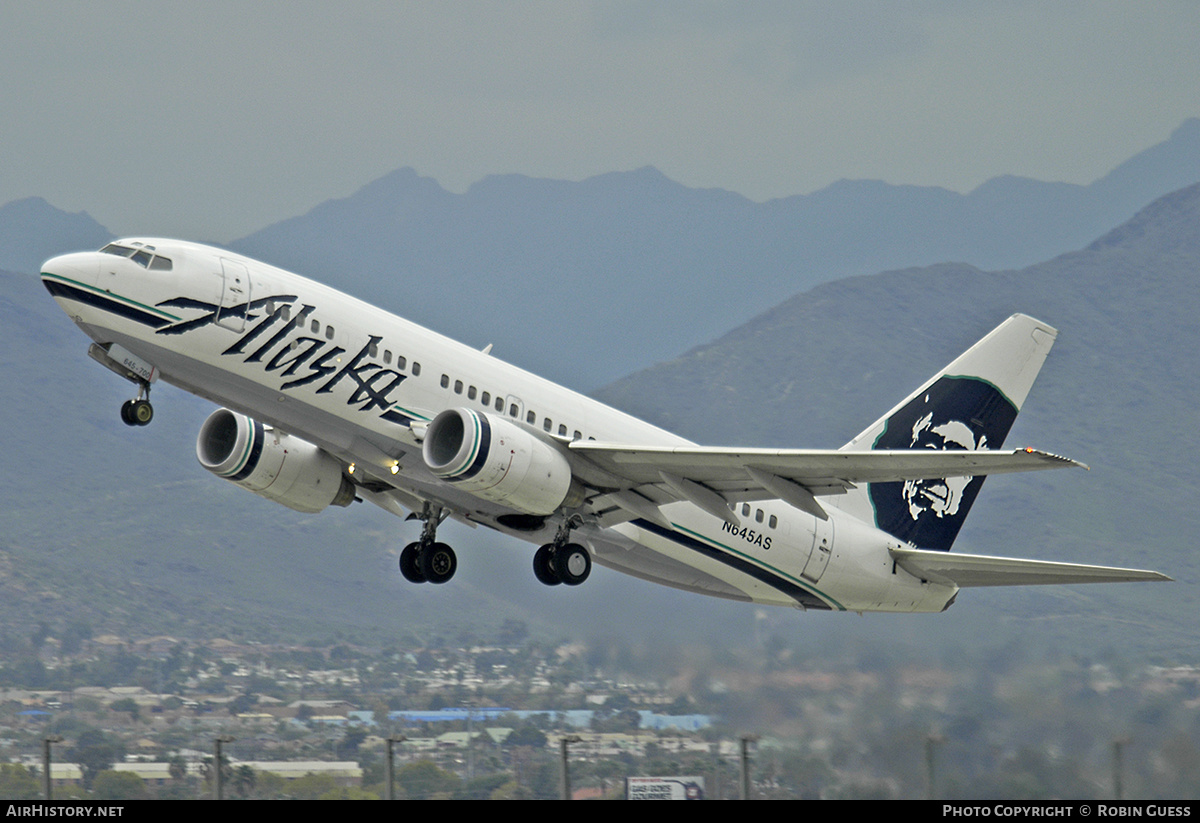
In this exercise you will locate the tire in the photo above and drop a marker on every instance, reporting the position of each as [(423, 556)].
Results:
[(127, 413), (438, 563), (573, 564), (543, 566), (141, 412), (410, 563)]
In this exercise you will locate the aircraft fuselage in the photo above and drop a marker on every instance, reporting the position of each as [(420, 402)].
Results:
[(363, 385)]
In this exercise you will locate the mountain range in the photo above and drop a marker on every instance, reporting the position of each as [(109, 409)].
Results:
[(585, 282), (120, 528)]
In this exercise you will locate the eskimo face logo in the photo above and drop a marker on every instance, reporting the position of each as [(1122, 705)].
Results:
[(940, 497), (955, 413)]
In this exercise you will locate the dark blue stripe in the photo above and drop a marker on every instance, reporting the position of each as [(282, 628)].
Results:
[(256, 448), (798, 593), (117, 307), (485, 443), (397, 417)]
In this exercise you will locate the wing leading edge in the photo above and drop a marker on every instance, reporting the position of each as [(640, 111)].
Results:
[(812, 468), (713, 477)]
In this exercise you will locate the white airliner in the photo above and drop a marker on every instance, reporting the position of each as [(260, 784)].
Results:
[(327, 399)]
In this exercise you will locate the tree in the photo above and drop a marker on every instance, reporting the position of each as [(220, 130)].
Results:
[(18, 783), (244, 778), (527, 735), (424, 780), (95, 751), (126, 704), (114, 785), (312, 786), (206, 769), (352, 739)]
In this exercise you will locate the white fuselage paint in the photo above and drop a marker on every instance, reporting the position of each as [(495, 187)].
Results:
[(843, 563)]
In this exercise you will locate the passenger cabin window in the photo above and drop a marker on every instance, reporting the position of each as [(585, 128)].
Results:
[(500, 406), (562, 430), (531, 418), (486, 399), (445, 381), (471, 393), (758, 516), (773, 522), (578, 435), (315, 326), (401, 362), (547, 425), (329, 332), (745, 510), (458, 386), (387, 356), (416, 369), (373, 349), (513, 411)]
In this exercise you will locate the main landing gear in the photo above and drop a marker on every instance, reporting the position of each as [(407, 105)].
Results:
[(562, 562), (138, 412), (428, 561)]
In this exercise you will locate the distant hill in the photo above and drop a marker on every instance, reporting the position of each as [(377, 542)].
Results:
[(31, 230), (583, 282)]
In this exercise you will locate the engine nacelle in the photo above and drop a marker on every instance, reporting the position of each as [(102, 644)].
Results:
[(499, 461), (276, 466)]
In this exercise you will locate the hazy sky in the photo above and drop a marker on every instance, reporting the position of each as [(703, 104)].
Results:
[(211, 120)]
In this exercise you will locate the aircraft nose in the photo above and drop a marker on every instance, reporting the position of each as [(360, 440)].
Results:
[(81, 267)]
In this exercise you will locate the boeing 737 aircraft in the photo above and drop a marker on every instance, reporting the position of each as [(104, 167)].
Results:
[(327, 400)]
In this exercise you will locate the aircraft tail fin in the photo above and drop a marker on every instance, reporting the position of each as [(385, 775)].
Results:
[(970, 404)]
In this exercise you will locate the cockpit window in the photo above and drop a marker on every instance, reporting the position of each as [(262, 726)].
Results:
[(142, 256)]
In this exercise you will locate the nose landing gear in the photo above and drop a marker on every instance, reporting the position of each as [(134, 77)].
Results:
[(121, 361), (138, 412)]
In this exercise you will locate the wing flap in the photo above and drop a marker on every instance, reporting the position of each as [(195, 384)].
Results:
[(969, 570)]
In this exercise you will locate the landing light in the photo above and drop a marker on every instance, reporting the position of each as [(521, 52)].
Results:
[(395, 468), (350, 469)]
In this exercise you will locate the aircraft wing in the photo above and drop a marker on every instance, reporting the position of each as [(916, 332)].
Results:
[(712, 477), (812, 467), (965, 570)]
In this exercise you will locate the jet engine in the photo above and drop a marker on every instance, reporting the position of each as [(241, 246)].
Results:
[(499, 461), (272, 464)]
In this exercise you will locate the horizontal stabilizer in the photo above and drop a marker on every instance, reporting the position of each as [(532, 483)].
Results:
[(966, 570)]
